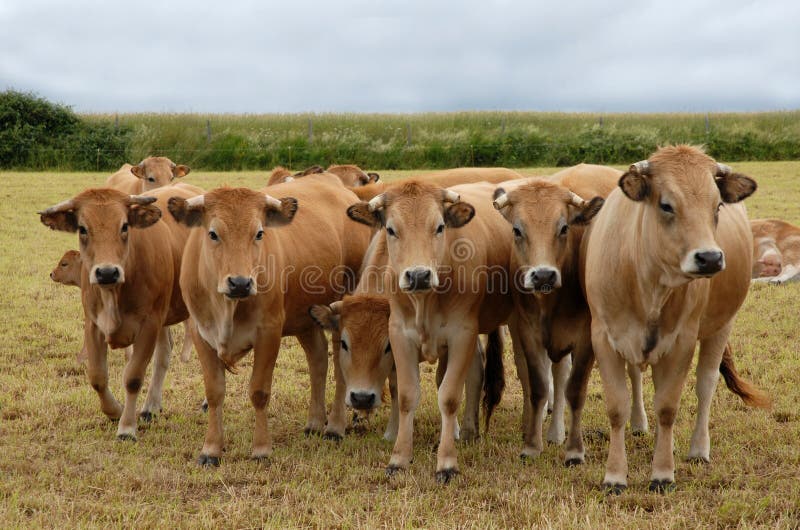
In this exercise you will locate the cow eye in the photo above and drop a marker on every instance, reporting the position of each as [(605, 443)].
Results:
[(666, 208), (213, 235), (124, 228), (390, 231), (564, 230), (64, 264), (82, 230), (343, 345), (517, 233), (440, 229), (259, 235), (151, 179)]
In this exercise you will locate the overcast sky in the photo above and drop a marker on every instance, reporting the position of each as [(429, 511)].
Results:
[(404, 56)]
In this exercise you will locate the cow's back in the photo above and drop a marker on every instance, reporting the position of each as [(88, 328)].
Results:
[(125, 181), (588, 180), (444, 178)]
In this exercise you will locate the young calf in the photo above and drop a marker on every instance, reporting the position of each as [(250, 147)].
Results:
[(151, 173), (130, 260), (776, 251)]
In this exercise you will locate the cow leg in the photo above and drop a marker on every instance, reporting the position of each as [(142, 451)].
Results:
[(638, 415), (265, 353), (528, 345), (470, 431), (560, 372), (550, 370), (669, 376), (391, 428), (522, 373), (97, 369), (582, 363), (618, 408), (707, 371), (406, 363), (460, 351), (132, 376), (152, 404), (441, 368), (788, 274), (337, 419), (315, 346), (214, 382), (186, 351), (82, 355)]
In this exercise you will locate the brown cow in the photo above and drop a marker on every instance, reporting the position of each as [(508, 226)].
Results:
[(362, 323), (444, 178), (776, 251), (151, 173), (665, 264), (130, 261), (551, 315), (252, 269), (445, 269)]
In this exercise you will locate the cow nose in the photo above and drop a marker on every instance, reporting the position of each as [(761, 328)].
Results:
[(239, 286), (107, 275), (708, 261), (544, 279), (418, 279), (362, 400), (52, 275)]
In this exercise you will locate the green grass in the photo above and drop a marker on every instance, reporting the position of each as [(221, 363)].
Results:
[(60, 465)]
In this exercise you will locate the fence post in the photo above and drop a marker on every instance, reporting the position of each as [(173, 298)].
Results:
[(310, 130), (208, 131), (708, 125), (472, 155), (408, 134), (503, 126), (290, 157), (98, 159), (600, 122), (116, 123)]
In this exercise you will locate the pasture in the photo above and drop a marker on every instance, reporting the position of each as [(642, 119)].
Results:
[(61, 465)]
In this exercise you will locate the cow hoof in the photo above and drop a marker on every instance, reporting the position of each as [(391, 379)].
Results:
[(445, 475), (698, 460), (572, 462), (393, 470), (614, 489), (333, 436), (638, 433), (147, 416), (204, 406), (125, 437), (661, 486), (263, 459), (208, 461), (308, 432)]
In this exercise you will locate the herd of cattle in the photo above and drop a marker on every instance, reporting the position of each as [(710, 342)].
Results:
[(628, 269)]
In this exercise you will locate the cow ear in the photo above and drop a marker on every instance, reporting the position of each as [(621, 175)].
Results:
[(635, 185), (735, 187), (361, 213), (280, 212), (458, 214), (143, 215), (138, 171), (373, 177), (325, 317), (180, 171), (64, 221), (188, 212), (585, 214)]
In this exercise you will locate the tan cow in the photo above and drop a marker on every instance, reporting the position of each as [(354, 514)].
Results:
[(151, 173), (361, 321), (547, 218), (776, 251), (666, 263), (253, 267), (444, 178), (130, 262), (353, 176), (449, 273)]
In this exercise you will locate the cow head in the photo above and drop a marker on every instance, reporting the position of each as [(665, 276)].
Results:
[(158, 171), (771, 264), (544, 218), (68, 269), (365, 356), (234, 221), (104, 219), (415, 216), (353, 176), (682, 190)]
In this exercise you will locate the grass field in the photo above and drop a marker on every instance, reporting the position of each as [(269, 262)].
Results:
[(61, 466)]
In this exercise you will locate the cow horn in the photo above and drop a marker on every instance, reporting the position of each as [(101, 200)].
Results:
[(63, 206), (501, 201), (377, 202), (336, 307), (197, 200), (642, 168), (451, 196), (273, 203), (141, 199), (723, 170), (576, 200)]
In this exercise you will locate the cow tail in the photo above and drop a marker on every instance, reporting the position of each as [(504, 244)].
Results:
[(494, 377), (750, 394)]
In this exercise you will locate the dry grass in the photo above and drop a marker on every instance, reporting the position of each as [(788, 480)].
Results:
[(60, 464)]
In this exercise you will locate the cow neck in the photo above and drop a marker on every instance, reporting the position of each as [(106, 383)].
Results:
[(651, 289), (109, 315), (425, 307), (225, 330)]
